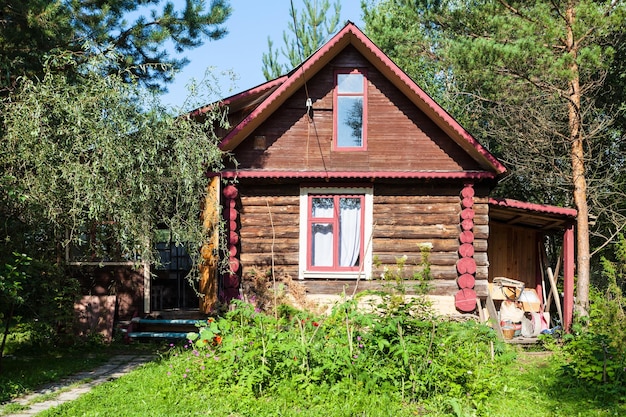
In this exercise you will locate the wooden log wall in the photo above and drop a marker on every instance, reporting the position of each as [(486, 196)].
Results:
[(435, 287), (270, 218), (404, 222), (466, 266), (232, 280), (404, 219)]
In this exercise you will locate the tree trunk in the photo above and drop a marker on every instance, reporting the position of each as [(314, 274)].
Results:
[(578, 172), (5, 334)]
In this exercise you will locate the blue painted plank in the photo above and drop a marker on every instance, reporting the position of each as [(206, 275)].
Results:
[(165, 321), (159, 335)]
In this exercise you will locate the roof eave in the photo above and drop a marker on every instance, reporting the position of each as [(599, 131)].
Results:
[(241, 99), (539, 208), (367, 175)]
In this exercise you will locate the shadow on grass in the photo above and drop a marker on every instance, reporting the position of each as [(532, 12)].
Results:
[(536, 386), (27, 370)]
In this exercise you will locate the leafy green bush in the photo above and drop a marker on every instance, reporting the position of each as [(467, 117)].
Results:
[(399, 352), (596, 349), (38, 299)]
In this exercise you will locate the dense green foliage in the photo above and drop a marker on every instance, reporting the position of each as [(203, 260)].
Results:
[(504, 70), (400, 358), (396, 361), (40, 296), (137, 31), (307, 32), (403, 31), (98, 152), (397, 352), (89, 159), (94, 168), (596, 353), (371, 357)]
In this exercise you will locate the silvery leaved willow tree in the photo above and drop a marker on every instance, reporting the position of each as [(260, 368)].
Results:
[(88, 149), (529, 79)]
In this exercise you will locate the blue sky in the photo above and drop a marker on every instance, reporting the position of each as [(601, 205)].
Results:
[(240, 51)]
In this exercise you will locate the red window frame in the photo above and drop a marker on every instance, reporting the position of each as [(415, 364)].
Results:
[(336, 235), (336, 96)]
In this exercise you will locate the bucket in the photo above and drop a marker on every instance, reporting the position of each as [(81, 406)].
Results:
[(508, 332)]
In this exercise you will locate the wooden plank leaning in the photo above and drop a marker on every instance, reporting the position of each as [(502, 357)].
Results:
[(557, 298), (493, 316)]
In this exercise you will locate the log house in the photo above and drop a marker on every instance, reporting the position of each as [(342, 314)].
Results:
[(345, 165)]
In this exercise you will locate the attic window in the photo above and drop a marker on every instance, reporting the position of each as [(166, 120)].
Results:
[(350, 110)]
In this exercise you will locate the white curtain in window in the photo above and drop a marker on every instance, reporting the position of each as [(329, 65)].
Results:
[(322, 244), (322, 233), (350, 231)]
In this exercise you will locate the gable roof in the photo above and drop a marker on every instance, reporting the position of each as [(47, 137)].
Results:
[(271, 95)]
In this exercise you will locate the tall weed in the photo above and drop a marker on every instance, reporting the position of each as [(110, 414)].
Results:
[(401, 352)]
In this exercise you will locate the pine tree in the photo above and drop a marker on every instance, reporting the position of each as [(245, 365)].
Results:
[(307, 33), (528, 77), (136, 31)]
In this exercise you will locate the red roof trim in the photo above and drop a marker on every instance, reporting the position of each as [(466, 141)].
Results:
[(360, 174), (540, 208)]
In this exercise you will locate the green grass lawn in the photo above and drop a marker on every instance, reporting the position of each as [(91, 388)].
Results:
[(21, 374), (532, 389), (26, 370), (535, 388), (348, 363)]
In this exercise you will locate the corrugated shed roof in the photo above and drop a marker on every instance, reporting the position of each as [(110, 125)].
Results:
[(538, 216), (539, 208)]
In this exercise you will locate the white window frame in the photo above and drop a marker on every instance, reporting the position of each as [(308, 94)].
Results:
[(368, 220)]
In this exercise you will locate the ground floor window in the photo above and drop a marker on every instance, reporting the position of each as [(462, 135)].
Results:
[(335, 226)]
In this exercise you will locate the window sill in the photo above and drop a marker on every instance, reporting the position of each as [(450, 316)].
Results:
[(348, 275)]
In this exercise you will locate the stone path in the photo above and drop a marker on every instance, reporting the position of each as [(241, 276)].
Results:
[(71, 388)]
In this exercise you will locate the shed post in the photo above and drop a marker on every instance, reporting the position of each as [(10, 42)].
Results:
[(568, 277)]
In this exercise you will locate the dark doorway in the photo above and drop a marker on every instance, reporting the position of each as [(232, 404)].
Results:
[(171, 289)]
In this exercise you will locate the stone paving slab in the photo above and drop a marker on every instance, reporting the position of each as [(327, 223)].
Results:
[(116, 367)]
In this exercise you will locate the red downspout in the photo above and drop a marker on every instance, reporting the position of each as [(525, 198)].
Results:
[(568, 277)]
